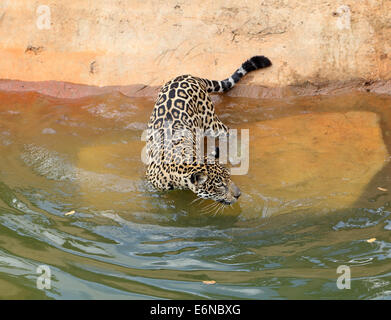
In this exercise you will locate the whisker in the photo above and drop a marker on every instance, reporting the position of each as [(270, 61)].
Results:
[(204, 209), (221, 207), (210, 205), (224, 207), (207, 209), (210, 208), (217, 210), (195, 200)]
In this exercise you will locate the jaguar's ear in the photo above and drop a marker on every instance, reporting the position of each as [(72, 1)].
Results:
[(198, 178)]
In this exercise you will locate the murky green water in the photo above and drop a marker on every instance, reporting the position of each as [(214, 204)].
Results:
[(127, 242)]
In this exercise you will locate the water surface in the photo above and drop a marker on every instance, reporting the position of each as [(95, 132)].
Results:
[(300, 216)]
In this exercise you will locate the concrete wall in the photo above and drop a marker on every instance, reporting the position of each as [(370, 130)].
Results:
[(113, 42)]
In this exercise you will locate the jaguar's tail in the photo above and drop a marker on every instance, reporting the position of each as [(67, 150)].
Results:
[(254, 63)]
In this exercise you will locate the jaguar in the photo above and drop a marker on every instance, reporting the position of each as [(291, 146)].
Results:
[(182, 111)]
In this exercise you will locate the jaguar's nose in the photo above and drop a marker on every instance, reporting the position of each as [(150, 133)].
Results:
[(235, 191)]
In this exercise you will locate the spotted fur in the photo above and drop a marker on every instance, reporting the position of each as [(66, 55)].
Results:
[(183, 106)]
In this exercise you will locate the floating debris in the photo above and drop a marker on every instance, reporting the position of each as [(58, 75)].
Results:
[(382, 189), (371, 240), (70, 213), (209, 282), (48, 131)]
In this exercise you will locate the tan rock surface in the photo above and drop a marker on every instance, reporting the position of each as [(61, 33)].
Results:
[(320, 160), (107, 42)]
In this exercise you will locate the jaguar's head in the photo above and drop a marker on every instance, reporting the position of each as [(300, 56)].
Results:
[(213, 181)]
